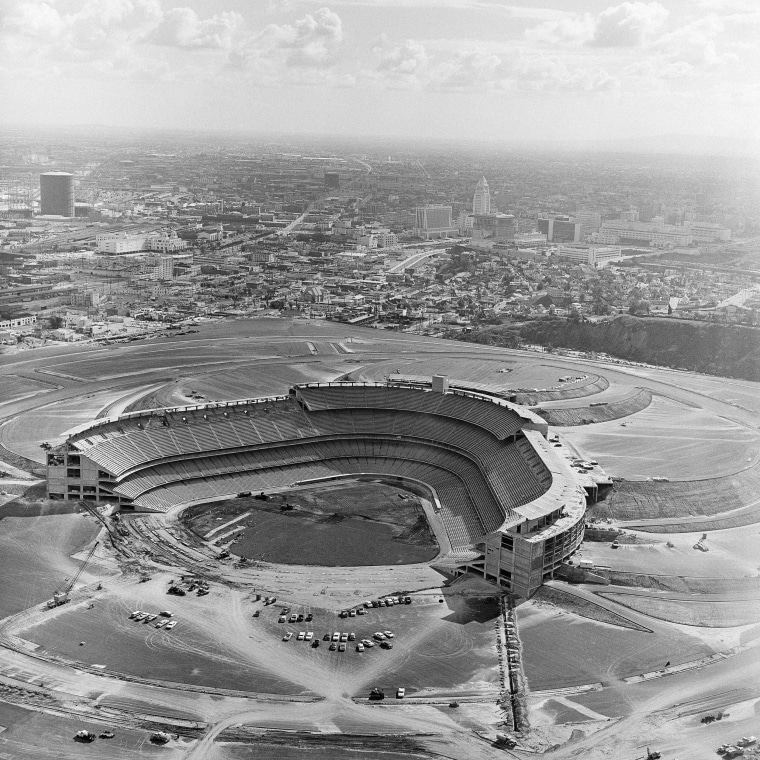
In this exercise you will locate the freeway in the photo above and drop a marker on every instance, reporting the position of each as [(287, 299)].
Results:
[(415, 259)]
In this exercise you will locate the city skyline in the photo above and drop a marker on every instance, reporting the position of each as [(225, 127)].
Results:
[(456, 69)]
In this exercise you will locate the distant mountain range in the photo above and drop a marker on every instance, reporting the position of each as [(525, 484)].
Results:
[(673, 144)]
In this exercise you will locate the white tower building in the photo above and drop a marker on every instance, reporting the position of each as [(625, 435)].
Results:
[(481, 202)]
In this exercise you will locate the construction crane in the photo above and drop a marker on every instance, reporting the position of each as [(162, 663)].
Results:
[(61, 594)]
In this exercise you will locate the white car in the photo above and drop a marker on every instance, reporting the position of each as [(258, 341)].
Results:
[(400, 692), (301, 636), (379, 636), (309, 636), (360, 647), (368, 643), (135, 614), (388, 634), (336, 636), (170, 625), (344, 637), (162, 623)]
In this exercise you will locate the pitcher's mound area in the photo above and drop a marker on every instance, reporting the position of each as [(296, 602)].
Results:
[(339, 523)]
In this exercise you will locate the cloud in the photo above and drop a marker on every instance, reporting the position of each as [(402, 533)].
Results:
[(311, 41), (30, 19), (694, 43), (405, 59), (182, 28), (440, 67), (471, 69), (691, 50), (552, 74), (98, 37), (575, 29), (111, 23), (629, 24)]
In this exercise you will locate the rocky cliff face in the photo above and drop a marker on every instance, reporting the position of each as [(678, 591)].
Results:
[(728, 350)]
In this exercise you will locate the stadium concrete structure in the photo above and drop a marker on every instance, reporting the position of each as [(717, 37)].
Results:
[(513, 510)]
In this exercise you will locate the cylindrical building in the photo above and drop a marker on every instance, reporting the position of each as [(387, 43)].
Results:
[(57, 193)]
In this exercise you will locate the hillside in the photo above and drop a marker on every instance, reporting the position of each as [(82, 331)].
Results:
[(727, 350)]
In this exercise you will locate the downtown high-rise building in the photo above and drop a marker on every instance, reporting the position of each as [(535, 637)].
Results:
[(481, 201), (57, 193), (433, 221)]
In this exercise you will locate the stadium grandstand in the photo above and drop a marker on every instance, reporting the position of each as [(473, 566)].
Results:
[(512, 508)]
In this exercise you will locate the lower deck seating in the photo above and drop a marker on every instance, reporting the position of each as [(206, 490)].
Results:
[(455, 479)]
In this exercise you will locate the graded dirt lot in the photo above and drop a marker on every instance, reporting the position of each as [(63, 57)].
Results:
[(36, 544), (343, 522), (226, 683), (29, 735), (668, 439)]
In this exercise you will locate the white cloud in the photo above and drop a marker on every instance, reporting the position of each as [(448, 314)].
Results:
[(98, 37), (572, 29), (182, 28), (111, 23), (439, 68), (311, 41), (30, 19), (405, 59), (550, 73), (694, 43), (629, 24), (689, 51), (470, 69)]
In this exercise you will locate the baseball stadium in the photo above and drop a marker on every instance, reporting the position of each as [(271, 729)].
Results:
[(511, 509), (283, 538)]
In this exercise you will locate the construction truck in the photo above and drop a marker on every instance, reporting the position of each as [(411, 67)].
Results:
[(62, 594)]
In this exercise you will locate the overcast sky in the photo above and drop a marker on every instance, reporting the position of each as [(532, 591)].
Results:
[(486, 69)]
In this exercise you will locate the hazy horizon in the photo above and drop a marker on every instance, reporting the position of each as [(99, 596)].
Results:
[(536, 71)]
